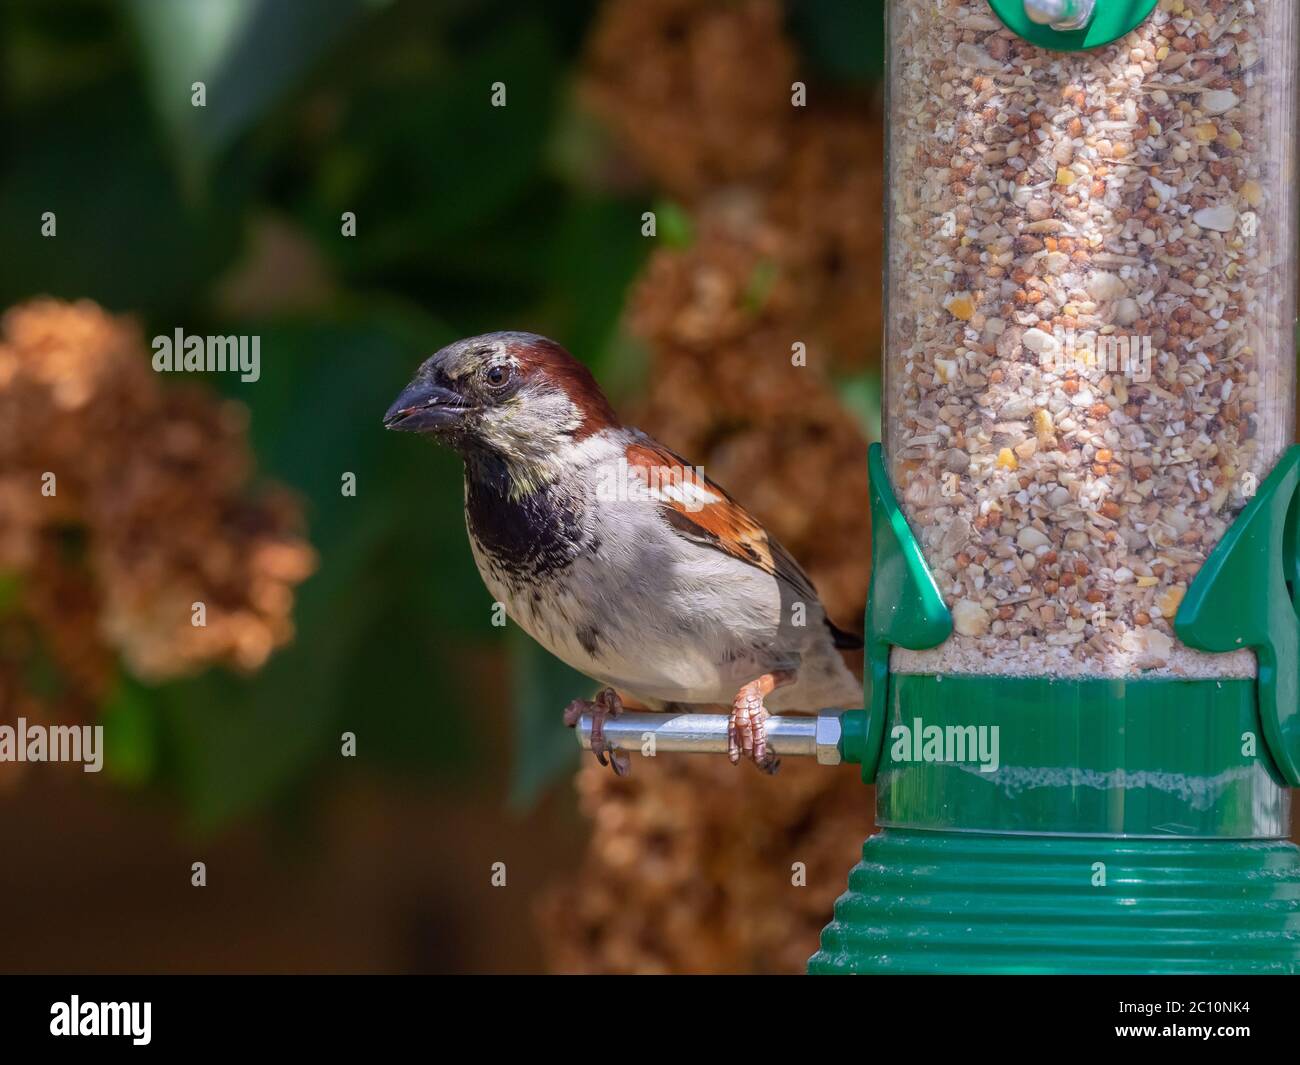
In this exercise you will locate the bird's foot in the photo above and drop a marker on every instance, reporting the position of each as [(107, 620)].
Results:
[(606, 704), (747, 726)]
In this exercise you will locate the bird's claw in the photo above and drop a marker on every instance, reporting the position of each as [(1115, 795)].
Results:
[(747, 730), (606, 704)]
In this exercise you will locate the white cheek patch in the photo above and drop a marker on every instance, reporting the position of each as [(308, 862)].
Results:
[(530, 426), (548, 413)]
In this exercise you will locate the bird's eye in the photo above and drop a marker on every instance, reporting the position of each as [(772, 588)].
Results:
[(497, 375)]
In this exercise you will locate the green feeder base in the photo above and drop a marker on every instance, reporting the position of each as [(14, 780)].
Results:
[(1113, 827), (952, 902)]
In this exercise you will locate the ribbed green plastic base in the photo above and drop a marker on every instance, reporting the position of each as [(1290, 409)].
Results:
[(932, 902)]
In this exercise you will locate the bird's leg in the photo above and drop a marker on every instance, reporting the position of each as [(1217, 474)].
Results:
[(606, 704), (747, 728)]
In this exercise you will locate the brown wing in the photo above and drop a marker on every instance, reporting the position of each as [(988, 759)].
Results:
[(704, 513)]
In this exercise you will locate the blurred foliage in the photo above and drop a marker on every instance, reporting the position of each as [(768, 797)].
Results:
[(227, 219), (860, 393), (246, 52), (843, 40)]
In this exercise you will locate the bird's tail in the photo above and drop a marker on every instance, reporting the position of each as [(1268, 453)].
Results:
[(844, 641)]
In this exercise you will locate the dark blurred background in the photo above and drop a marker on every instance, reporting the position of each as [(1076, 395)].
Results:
[(331, 613)]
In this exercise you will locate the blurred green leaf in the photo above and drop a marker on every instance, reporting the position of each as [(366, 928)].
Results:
[(673, 225), (431, 158), (10, 589), (597, 252), (543, 686), (50, 48), (860, 393), (841, 39), (758, 286), (124, 235), (130, 734), (247, 53), (41, 674)]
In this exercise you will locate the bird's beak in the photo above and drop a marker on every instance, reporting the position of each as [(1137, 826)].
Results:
[(425, 407)]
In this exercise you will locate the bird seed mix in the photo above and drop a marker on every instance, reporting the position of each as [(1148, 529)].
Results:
[(1090, 351)]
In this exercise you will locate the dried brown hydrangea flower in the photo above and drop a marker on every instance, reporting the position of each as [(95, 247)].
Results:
[(675, 79), (674, 882), (152, 511)]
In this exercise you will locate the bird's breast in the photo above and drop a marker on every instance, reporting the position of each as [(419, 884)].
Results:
[(531, 537)]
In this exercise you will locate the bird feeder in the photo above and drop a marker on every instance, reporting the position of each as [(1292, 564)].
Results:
[(1083, 633)]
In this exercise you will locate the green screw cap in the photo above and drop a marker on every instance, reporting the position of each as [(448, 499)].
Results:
[(1072, 25)]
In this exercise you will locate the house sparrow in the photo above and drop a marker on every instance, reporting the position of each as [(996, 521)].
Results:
[(616, 555)]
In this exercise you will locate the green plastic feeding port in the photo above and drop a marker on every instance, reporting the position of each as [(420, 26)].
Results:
[(1072, 25)]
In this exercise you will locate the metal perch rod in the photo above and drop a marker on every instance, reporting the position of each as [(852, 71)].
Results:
[(813, 737)]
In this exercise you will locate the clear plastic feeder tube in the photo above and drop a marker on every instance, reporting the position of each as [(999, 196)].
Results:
[(1090, 343)]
